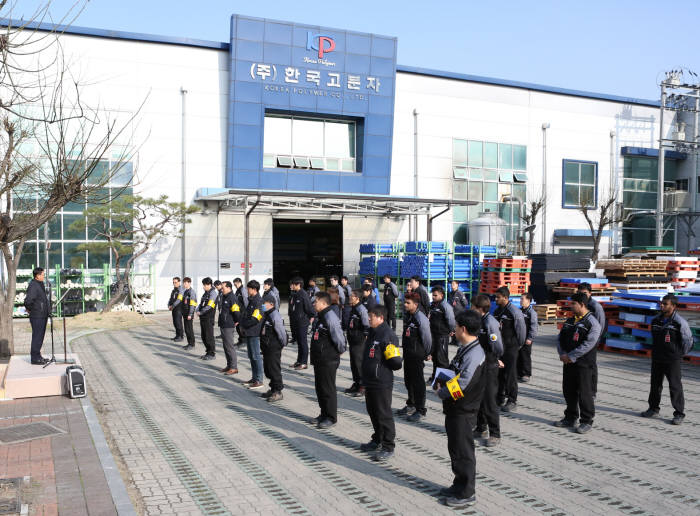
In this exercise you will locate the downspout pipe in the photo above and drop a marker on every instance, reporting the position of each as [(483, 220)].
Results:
[(246, 238)]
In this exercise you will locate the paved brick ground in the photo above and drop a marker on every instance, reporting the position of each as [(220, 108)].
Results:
[(195, 442)]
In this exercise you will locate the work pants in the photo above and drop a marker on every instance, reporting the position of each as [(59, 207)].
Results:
[(272, 365), (488, 416), (300, 334), (391, 315), (525, 361), (256, 363), (229, 348), (414, 380), (189, 330), (508, 376), (577, 384), (672, 372), (356, 346), (378, 401), (38, 332), (439, 352), (324, 382), (460, 445), (206, 325), (177, 322), (346, 315)]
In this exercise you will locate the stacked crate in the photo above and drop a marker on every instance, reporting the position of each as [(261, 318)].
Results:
[(546, 314), (682, 270), (599, 286), (513, 273), (630, 331)]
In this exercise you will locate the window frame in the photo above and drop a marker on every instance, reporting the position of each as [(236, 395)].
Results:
[(578, 162)]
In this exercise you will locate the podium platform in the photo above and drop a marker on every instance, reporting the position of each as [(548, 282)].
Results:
[(24, 380)]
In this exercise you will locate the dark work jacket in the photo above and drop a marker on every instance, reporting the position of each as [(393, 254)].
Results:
[(272, 333), (300, 309), (377, 371), (369, 302), (250, 320), (469, 364), (327, 340), (390, 295), (241, 294), (578, 339), (36, 300), (424, 299), (672, 338), (358, 324), (512, 324), (442, 318), (490, 339), (530, 317), (457, 300), (230, 311), (189, 301), (417, 340), (207, 304)]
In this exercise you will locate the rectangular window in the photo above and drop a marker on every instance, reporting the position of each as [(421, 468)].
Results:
[(681, 185), (475, 151), (305, 142), (459, 152), (490, 155), (579, 184), (519, 157)]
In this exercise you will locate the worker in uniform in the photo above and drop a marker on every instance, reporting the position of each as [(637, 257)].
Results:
[(513, 332), (269, 286), (416, 287), (335, 301), (577, 340), (672, 340), (525, 353), (327, 344), (597, 310), (175, 306), (301, 313), (229, 316), (38, 306), (251, 322), (357, 329), (312, 288), (442, 326), (417, 343), (218, 286), (488, 425), (391, 294), (206, 312), (273, 337), (381, 357), (342, 293), (457, 301), (189, 302), (241, 294), (346, 308), (461, 398), (368, 299)]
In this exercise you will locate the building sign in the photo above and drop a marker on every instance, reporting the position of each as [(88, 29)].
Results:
[(315, 71)]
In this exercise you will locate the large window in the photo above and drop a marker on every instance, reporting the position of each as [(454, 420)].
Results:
[(62, 235), (310, 143), (486, 172), (579, 184)]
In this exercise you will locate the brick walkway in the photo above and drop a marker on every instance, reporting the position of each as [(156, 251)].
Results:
[(195, 442)]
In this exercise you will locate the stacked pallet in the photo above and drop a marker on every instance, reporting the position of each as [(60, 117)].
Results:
[(546, 314), (630, 332), (682, 270), (636, 274), (513, 273), (599, 286), (549, 269)]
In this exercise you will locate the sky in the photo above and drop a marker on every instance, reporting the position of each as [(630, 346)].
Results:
[(617, 47)]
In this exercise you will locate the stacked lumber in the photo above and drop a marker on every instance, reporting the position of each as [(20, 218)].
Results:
[(546, 314), (513, 273), (569, 286), (548, 269), (635, 274)]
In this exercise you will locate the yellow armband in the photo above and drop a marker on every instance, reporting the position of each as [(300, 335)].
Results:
[(179, 297), (391, 351), (454, 388), (235, 308), (212, 304), (193, 302), (257, 314)]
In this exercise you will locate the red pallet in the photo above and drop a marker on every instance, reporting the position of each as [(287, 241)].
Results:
[(632, 352), (692, 359), (507, 262)]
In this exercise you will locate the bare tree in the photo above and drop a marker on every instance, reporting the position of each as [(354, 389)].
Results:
[(531, 211), (604, 216), (53, 145), (128, 228)]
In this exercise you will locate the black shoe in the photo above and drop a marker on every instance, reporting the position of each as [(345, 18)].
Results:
[(266, 394), (650, 413), (509, 407), (415, 417), (275, 396), (458, 502), (584, 428), (208, 357), (383, 455), (677, 420), (315, 420), (326, 423), (429, 381), (406, 411), (524, 379), (564, 423), (41, 361), (188, 347), (448, 491), (359, 393), (352, 389), (481, 434), (370, 446)]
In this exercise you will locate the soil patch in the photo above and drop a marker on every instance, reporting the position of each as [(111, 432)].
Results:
[(107, 321)]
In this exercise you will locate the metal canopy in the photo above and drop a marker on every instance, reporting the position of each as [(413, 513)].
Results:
[(273, 201)]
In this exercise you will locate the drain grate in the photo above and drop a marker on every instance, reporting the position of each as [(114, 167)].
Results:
[(10, 495), (27, 432)]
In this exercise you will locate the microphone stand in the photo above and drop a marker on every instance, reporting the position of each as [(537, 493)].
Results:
[(53, 360)]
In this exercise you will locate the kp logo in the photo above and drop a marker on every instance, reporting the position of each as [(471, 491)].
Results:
[(324, 44)]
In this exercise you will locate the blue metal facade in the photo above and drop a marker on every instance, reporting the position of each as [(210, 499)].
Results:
[(309, 70)]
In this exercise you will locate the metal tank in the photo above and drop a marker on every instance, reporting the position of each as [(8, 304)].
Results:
[(488, 229)]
